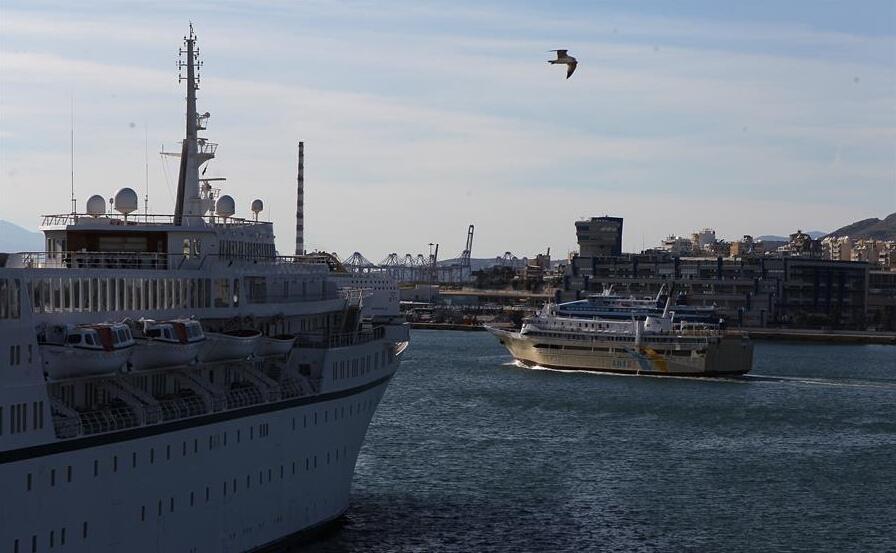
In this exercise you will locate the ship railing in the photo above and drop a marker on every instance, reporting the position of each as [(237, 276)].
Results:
[(279, 298), (182, 406), (117, 389), (134, 219), (270, 388), (98, 260), (243, 395), (147, 261), (114, 416), (212, 394), (66, 421), (340, 340), (290, 389)]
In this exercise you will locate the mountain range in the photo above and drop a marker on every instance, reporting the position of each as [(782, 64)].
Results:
[(814, 234), (878, 229), (14, 238)]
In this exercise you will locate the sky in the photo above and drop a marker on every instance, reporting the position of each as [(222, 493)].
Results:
[(420, 118)]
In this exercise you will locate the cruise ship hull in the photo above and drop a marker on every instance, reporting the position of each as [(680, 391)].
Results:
[(239, 480), (726, 357)]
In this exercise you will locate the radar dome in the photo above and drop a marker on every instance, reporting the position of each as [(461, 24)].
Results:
[(126, 201), (257, 206), (96, 205), (225, 206)]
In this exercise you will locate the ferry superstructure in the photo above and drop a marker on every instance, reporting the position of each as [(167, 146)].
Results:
[(242, 445), (610, 306), (656, 344)]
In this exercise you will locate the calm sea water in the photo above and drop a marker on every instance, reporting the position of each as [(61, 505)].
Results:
[(469, 452)]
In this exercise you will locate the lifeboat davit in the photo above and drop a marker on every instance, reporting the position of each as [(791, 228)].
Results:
[(168, 344), (88, 350), (229, 345), (281, 344)]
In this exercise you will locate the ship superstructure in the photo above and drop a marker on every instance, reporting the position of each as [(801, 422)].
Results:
[(171, 383)]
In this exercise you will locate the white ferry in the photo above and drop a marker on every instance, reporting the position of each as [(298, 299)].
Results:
[(234, 419), (656, 344)]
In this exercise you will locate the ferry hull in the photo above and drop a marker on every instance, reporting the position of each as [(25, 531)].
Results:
[(727, 357)]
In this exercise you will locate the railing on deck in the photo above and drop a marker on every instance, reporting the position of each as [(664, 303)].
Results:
[(117, 219), (341, 340), (182, 406), (143, 260), (115, 416)]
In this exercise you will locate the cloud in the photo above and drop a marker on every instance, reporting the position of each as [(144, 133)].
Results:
[(438, 116)]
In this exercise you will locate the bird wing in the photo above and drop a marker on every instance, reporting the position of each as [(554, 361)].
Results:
[(560, 53), (572, 67)]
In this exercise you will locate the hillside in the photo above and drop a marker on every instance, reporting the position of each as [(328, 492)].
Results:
[(14, 238), (878, 229)]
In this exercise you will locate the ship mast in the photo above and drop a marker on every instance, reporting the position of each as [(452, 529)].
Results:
[(194, 150)]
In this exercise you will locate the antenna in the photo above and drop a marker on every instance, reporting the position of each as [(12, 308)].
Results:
[(146, 163), (72, 142)]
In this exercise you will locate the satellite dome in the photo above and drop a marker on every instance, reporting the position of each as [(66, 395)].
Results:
[(257, 206), (96, 205), (126, 201), (225, 206)]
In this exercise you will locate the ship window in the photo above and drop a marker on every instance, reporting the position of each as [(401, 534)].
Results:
[(28, 482), (187, 248), (74, 339), (207, 494), (4, 298), (222, 292), (143, 513), (236, 292), (96, 467), (68, 473), (62, 537), (84, 530)]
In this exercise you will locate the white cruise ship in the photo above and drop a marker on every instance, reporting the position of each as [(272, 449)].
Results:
[(656, 344), (169, 383)]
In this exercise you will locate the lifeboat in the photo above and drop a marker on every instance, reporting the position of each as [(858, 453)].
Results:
[(280, 344), (230, 345), (88, 350), (167, 344)]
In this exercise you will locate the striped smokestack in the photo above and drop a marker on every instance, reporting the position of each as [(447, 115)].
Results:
[(300, 203)]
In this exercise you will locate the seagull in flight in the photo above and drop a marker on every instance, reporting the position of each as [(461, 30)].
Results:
[(563, 58)]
